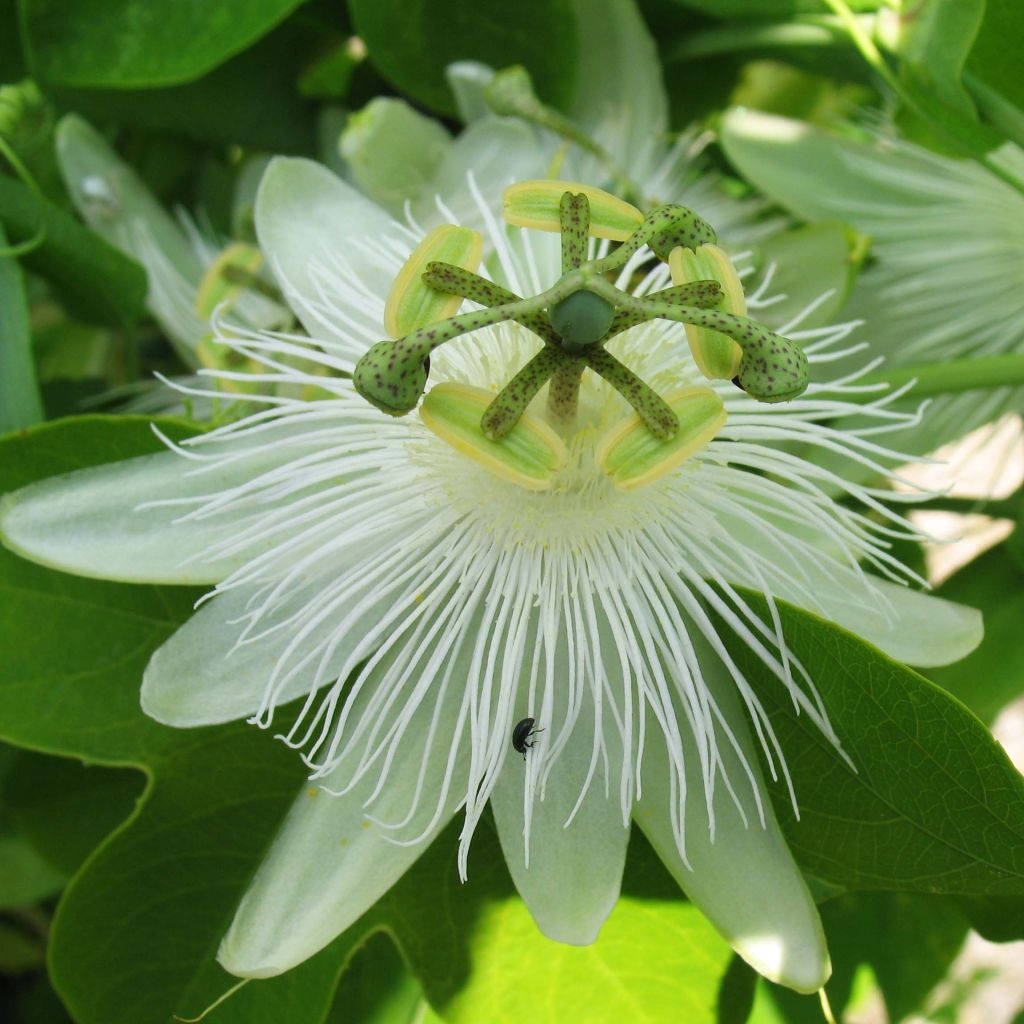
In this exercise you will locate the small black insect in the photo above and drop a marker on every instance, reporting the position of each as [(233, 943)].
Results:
[(521, 736)]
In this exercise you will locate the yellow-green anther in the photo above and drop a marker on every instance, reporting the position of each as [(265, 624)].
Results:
[(237, 267), (510, 403), (656, 415), (457, 281), (581, 319), (574, 216), (537, 204), (411, 302), (717, 356), (632, 456), (530, 454), (704, 294)]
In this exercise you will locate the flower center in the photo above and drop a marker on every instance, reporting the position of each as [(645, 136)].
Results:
[(575, 319)]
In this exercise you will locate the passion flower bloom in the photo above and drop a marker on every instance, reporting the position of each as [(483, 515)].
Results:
[(419, 600)]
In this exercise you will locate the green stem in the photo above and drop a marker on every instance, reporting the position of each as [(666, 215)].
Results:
[(952, 377), (768, 35)]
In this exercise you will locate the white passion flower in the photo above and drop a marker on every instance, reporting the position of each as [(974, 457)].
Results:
[(420, 598)]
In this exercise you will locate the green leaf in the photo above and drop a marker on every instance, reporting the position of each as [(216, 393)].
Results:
[(130, 44), (933, 804), (249, 101), (411, 42), (907, 940), (933, 39), (12, 61), (479, 955), (95, 281), (20, 403), (995, 57), (993, 674), (64, 808), (74, 654)]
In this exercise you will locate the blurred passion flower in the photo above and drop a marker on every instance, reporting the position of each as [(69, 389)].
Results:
[(947, 241), (421, 585)]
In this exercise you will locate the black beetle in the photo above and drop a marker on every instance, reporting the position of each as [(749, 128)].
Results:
[(521, 735)]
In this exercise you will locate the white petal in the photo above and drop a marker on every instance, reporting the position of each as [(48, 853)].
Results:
[(619, 74), (572, 881), (918, 629), (745, 881), (92, 523), (496, 151), (307, 219), (330, 862), (119, 207), (198, 677)]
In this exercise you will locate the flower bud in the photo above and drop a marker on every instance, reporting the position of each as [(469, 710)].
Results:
[(227, 277)]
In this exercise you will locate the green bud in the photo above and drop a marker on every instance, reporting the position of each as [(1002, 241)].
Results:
[(392, 376), (682, 227)]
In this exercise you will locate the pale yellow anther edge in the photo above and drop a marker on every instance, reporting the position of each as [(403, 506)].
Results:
[(717, 356), (412, 304), (530, 455), (633, 457), (535, 204), (215, 288)]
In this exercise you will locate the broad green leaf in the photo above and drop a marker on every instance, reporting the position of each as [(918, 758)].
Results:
[(931, 803), (479, 954), (411, 42), (69, 683), (20, 403), (65, 808), (993, 674), (378, 988), (97, 282), (995, 57), (128, 44), (250, 100)]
